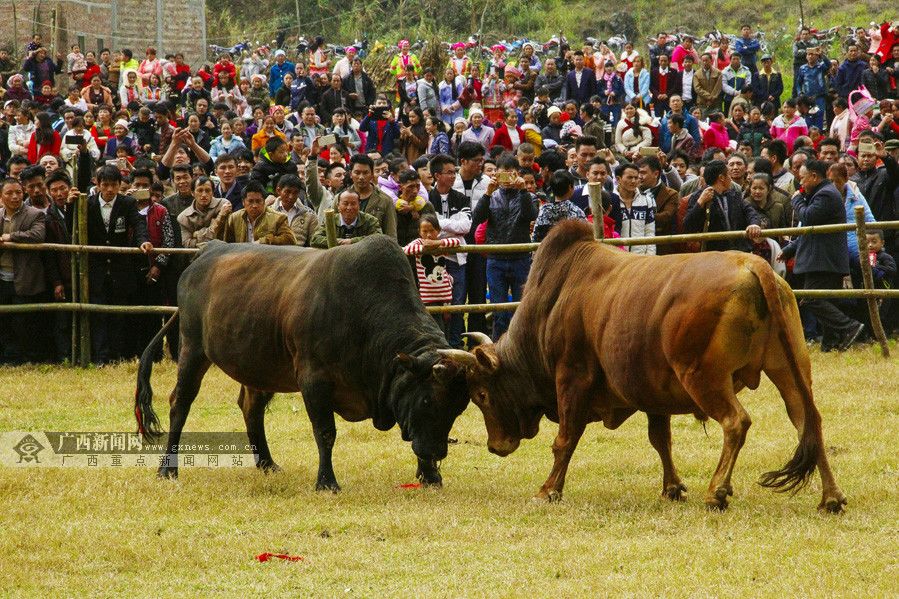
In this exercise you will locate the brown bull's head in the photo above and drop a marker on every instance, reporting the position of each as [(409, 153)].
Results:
[(495, 390)]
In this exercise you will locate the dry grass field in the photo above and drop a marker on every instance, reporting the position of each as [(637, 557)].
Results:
[(108, 532)]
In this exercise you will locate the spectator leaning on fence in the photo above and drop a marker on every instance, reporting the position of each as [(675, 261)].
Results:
[(823, 260), (21, 273)]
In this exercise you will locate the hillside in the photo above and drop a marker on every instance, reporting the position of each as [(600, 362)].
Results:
[(229, 21)]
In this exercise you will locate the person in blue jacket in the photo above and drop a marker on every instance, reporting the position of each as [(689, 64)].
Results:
[(849, 74), (748, 47)]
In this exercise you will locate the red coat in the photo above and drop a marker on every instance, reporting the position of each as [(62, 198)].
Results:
[(92, 70), (36, 152), (501, 137)]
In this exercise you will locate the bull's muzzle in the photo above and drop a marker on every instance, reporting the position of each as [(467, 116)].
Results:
[(503, 447)]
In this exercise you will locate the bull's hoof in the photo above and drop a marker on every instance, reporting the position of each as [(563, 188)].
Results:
[(833, 505), (167, 472), (718, 501), (675, 492), (268, 467), (548, 496), (327, 486)]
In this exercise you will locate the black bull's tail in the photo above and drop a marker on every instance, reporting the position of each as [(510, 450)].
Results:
[(147, 421), (795, 474)]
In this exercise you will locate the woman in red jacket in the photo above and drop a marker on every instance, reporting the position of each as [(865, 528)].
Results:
[(102, 129), (509, 135), (44, 140)]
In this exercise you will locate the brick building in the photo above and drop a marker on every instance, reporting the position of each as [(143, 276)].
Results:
[(168, 25)]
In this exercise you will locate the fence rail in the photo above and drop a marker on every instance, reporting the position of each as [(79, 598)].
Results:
[(83, 307)]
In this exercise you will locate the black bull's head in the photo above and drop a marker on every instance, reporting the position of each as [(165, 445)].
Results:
[(496, 391), (427, 394)]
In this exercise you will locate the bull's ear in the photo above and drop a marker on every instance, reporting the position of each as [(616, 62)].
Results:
[(487, 358)]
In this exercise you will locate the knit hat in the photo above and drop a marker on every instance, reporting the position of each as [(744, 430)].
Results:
[(510, 70), (553, 110), (280, 52), (123, 123)]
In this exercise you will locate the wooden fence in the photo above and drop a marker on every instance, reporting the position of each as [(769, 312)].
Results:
[(82, 307)]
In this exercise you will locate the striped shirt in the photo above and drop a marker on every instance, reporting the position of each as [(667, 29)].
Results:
[(435, 285)]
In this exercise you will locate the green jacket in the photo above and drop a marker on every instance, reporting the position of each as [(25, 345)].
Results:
[(368, 225)]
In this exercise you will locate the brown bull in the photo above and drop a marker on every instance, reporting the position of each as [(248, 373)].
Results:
[(601, 334)]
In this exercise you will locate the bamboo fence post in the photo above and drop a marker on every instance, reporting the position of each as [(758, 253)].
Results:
[(73, 268), (331, 227), (83, 258), (868, 278), (595, 196)]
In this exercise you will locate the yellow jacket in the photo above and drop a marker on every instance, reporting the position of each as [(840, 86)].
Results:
[(270, 228)]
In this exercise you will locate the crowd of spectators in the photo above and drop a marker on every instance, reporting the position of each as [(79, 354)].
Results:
[(674, 139)]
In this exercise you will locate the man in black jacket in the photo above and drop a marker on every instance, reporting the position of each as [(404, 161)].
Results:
[(112, 220), (823, 260), (453, 210), (360, 89), (725, 209), (877, 179), (58, 268), (508, 209)]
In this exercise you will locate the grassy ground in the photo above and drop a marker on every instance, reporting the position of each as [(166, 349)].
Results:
[(110, 532)]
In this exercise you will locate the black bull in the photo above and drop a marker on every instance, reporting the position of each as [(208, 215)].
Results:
[(345, 327)]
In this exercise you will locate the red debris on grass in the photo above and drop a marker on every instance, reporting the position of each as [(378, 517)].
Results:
[(264, 557)]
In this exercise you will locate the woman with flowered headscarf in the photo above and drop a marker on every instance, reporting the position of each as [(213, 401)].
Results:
[(497, 64), (403, 59), (459, 62)]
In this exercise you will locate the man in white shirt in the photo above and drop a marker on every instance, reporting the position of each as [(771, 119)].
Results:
[(471, 183), (687, 82)]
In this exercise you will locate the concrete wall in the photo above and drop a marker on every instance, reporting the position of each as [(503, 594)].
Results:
[(116, 24)]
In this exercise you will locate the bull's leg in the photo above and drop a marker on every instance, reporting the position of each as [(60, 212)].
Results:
[(571, 388), (252, 403), (716, 398), (318, 399), (660, 438), (832, 498), (192, 366)]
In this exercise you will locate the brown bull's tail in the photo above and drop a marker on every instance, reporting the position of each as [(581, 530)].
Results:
[(795, 474), (147, 421)]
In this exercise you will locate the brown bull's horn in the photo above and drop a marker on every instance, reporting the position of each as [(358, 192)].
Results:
[(462, 358), (479, 339)]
